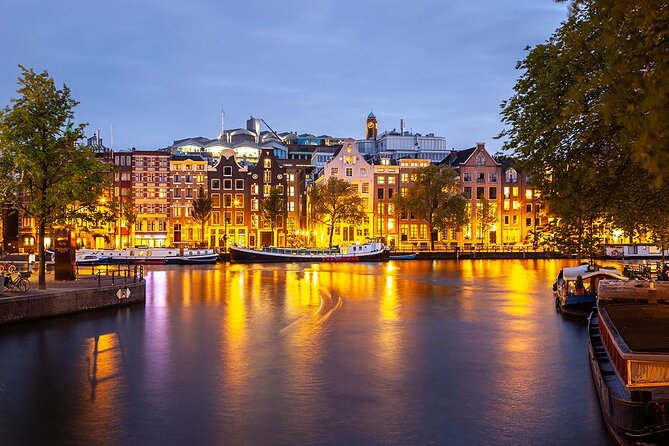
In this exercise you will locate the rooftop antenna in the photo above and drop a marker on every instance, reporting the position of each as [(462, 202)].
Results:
[(111, 136), (222, 121)]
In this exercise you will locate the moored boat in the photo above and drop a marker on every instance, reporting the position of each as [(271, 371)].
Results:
[(576, 288), (409, 256), (629, 359), (145, 256), (366, 252)]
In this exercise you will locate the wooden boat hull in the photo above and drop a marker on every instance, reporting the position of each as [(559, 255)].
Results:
[(628, 422), (241, 255), (403, 256)]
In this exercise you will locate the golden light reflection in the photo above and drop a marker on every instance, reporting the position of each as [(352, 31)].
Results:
[(101, 393)]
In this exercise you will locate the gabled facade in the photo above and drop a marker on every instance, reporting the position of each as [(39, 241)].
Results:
[(266, 175), (348, 164), (188, 174)]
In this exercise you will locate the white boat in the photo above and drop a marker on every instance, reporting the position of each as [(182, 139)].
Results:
[(634, 251), (574, 301), (146, 256)]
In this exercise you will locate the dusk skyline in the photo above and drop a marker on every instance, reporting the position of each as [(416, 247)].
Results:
[(164, 71)]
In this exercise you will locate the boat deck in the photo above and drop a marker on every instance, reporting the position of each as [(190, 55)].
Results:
[(644, 327)]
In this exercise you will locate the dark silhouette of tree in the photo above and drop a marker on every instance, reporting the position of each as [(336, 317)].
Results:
[(272, 209), (44, 172), (336, 201), (202, 211)]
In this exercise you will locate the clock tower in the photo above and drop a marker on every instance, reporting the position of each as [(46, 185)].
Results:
[(372, 128)]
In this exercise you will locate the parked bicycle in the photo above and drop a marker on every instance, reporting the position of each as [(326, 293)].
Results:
[(16, 281)]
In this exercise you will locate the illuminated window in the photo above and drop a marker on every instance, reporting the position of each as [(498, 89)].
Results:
[(216, 200), (291, 191), (215, 218), (528, 194), (380, 179), (506, 191), (254, 204), (365, 188), (291, 206), (391, 180), (239, 218), (239, 200), (404, 177), (391, 224), (334, 171), (267, 163), (254, 189)]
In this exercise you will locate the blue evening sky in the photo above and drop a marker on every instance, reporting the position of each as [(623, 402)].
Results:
[(160, 70)]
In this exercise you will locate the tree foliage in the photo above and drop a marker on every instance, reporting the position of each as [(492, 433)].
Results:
[(435, 197), (486, 215), (336, 201), (201, 212), (44, 173), (272, 209), (128, 214), (589, 115)]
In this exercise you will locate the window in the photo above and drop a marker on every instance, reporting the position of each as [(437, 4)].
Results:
[(492, 193), (254, 189), (528, 207), (267, 176), (480, 193), (227, 200), (216, 200), (334, 171), (528, 194), (363, 172), (365, 187), (480, 159), (291, 177), (466, 176), (404, 178), (239, 184), (537, 221), (506, 219), (380, 179), (239, 218), (480, 177), (189, 193), (227, 184), (176, 178), (515, 191), (227, 171), (291, 191), (215, 218), (254, 204), (215, 184), (511, 175), (349, 171), (254, 221), (391, 180), (528, 222), (405, 191), (267, 163), (492, 178), (506, 191), (468, 192), (390, 193), (189, 178), (279, 189), (291, 206), (379, 193), (239, 200), (177, 193)]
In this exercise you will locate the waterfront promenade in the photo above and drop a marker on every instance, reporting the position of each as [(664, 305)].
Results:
[(87, 292)]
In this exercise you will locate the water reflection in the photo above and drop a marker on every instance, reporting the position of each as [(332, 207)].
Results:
[(416, 352)]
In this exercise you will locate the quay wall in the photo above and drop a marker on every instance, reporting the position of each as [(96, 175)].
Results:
[(66, 301)]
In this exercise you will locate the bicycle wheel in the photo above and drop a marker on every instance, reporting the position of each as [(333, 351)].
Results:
[(11, 268), (23, 285)]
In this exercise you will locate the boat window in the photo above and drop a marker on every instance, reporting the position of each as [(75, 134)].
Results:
[(148, 253), (132, 253)]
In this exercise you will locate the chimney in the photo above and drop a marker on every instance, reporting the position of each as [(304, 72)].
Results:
[(401, 126), (480, 145)]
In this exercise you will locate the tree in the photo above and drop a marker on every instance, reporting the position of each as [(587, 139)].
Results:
[(202, 210), (129, 215), (486, 214), (44, 173), (272, 209), (436, 198), (336, 201), (588, 117)]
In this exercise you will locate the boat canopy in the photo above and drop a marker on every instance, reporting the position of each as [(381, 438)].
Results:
[(587, 271)]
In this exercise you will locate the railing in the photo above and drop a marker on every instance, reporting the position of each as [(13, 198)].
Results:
[(113, 274)]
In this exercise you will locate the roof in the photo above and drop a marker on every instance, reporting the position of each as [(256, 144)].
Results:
[(585, 272), (461, 156), (371, 115), (644, 327)]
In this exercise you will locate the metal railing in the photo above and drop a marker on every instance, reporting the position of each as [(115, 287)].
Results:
[(112, 274)]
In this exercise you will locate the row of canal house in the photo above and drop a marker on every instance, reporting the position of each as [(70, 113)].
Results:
[(163, 185), (511, 202)]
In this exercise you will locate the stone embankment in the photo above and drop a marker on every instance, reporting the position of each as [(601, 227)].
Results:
[(70, 297)]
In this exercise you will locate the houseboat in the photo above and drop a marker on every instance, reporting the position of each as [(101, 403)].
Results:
[(575, 289), (146, 256), (366, 252), (629, 359), (635, 251)]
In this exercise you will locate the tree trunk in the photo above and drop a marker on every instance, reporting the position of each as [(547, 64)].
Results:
[(431, 237), (331, 234), (42, 258), (202, 235)]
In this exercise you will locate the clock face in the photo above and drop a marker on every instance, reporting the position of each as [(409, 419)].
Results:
[(370, 125)]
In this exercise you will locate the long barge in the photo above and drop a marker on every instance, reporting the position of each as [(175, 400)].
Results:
[(366, 252), (629, 359)]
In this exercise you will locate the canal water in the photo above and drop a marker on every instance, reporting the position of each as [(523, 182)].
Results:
[(413, 352)]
